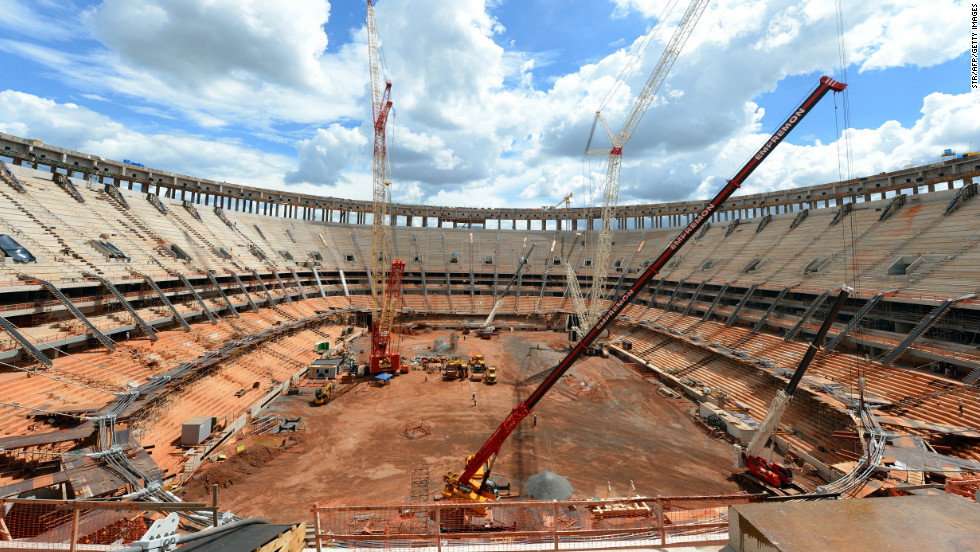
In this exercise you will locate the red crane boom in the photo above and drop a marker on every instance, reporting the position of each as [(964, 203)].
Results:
[(382, 358), (472, 484)]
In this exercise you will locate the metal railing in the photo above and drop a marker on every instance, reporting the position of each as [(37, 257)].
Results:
[(641, 522)]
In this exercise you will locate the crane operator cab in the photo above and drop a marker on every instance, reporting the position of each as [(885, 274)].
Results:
[(479, 489)]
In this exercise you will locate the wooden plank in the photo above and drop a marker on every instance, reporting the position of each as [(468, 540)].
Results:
[(34, 483), (22, 441), (293, 540)]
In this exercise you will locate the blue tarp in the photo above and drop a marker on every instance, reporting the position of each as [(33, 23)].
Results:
[(384, 376)]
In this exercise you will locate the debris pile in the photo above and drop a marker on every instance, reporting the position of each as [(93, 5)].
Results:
[(548, 486), (440, 346)]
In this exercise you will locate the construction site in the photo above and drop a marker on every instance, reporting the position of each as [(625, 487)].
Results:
[(192, 364)]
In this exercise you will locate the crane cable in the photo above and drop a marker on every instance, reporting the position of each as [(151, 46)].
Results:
[(593, 189), (637, 55), (842, 60)]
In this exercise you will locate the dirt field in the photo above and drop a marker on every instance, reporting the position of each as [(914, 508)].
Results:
[(601, 424)]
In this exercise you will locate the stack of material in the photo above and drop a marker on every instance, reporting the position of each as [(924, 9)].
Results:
[(548, 486), (440, 346)]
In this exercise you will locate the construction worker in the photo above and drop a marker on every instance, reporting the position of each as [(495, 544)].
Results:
[(474, 398), (534, 421)]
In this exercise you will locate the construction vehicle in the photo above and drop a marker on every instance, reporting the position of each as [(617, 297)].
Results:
[(487, 330), (322, 395), (774, 473), (383, 359), (478, 366), (472, 484), (455, 369), (491, 377)]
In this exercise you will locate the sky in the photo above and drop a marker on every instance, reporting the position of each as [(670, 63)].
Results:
[(493, 99)]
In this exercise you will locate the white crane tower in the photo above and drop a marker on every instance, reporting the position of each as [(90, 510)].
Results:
[(589, 313)]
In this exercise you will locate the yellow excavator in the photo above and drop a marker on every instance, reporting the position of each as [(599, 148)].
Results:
[(322, 395)]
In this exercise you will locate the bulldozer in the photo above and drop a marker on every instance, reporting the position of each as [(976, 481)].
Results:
[(322, 395)]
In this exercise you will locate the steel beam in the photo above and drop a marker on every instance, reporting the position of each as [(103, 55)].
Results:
[(302, 291), (745, 299), (204, 307), (245, 291), (77, 313), (180, 319), (258, 278), (711, 309), (693, 298), (221, 292), (772, 307), (28, 346), (119, 296), (865, 309), (816, 303), (282, 286)]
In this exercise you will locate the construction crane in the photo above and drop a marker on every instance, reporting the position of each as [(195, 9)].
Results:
[(764, 468), (383, 359), (486, 330), (567, 201), (589, 313), (473, 485), (380, 108)]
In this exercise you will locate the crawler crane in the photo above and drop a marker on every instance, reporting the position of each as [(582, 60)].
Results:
[(764, 468), (487, 329), (473, 485)]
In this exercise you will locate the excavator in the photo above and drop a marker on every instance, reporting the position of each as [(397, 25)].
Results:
[(322, 395), (764, 468), (473, 485)]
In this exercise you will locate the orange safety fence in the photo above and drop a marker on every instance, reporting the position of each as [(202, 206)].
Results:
[(963, 486), (29, 524), (568, 525)]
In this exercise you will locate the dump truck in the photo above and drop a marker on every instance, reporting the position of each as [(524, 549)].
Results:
[(455, 369)]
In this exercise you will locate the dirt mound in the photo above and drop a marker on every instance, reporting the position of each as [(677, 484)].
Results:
[(548, 486), (225, 474)]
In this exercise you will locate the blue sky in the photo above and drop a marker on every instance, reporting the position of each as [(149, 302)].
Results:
[(493, 98)]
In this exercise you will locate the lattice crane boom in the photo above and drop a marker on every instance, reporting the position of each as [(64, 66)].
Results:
[(677, 41), (380, 108), (610, 197)]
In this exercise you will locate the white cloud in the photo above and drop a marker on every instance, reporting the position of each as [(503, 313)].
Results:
[(71, 126), (471, 127), (323, 158)]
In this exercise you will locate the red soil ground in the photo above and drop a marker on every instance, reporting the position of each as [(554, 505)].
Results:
[(355, 447)]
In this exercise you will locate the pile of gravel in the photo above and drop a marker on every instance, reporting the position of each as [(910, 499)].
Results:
[(548, 486)]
